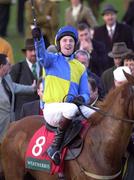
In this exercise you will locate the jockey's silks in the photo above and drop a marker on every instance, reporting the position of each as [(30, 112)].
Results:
[(61, 76)]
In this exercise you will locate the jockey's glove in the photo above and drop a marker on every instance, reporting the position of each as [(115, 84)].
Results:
[(36, 33), (78, 100)]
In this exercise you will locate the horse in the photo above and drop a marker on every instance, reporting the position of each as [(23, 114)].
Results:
[(104, 146)]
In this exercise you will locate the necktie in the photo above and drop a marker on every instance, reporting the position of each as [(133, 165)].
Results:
[(7, 89), (111, 33), (34, 71)]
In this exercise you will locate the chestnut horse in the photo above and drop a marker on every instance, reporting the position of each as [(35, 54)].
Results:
[(104, 146)]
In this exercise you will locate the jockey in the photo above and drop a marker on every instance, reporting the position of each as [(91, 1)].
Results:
[(63, 75)]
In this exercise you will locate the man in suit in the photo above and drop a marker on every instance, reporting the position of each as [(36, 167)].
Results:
[(113, 31), (95, 48), (8, 89), (25, 72), (84, 57), (119, 53)]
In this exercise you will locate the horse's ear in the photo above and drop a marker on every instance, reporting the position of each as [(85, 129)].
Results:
[(129, 77)]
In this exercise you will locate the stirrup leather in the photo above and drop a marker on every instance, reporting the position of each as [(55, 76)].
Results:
[(55, 153), (52, 154)]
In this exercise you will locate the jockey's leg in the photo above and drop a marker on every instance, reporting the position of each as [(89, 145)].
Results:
[(54, 150), (60, 115)]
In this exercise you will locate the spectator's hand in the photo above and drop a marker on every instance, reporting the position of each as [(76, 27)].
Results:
[(86, 46), (36, 33), (34, 85), (78, 100)]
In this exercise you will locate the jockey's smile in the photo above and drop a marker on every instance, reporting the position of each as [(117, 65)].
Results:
[(67, 44)]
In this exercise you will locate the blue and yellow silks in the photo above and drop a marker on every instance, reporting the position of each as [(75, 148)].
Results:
[(62, 76)]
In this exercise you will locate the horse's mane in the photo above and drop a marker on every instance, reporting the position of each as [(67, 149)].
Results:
[(108, 101)]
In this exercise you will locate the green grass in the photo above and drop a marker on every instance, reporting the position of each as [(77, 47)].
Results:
[(17, 42)]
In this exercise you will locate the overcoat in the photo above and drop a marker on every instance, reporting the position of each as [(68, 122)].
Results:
[(85, 16), (22, 74)]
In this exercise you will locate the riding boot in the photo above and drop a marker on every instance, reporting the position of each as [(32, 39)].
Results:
[(54, 150)]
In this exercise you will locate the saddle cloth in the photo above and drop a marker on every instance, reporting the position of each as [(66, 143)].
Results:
[(36, 157)]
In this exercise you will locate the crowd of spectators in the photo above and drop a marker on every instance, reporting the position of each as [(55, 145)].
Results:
[(101, 49)]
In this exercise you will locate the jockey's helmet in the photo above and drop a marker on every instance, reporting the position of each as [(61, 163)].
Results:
[(66, 31)]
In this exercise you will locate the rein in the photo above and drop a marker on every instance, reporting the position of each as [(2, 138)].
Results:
[(97, 110), (107, 114)]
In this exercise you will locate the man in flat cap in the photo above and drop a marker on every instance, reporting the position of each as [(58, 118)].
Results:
[(118, 54), (113, 31)]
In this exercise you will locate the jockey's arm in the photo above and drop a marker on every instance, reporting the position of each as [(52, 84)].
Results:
[(84, 88), (43, 57)]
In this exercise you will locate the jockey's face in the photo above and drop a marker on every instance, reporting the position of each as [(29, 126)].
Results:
[(30, 55), (67, 45)]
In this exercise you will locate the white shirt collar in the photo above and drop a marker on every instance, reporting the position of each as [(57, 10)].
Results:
[(111, 27), (75, 11), (37, 67), (29, 63)]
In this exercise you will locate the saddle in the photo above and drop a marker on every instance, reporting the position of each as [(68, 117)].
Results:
[(36, 154), (72, 138)]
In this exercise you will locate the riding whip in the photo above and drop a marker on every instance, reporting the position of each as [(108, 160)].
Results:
[(33, 13)]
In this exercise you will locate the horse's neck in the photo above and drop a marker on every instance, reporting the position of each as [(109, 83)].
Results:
[(108, 143)]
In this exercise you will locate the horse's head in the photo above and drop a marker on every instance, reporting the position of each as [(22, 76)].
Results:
[(129, 77), (128, 96), (111, 130)]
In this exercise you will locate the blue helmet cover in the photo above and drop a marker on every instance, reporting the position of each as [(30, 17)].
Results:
[(66, 31)]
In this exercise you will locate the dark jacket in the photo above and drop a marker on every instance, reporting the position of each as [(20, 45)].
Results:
[(107, 79), (22, 74), (98, 83), (30, 108), (98, 58), (123, 33)]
